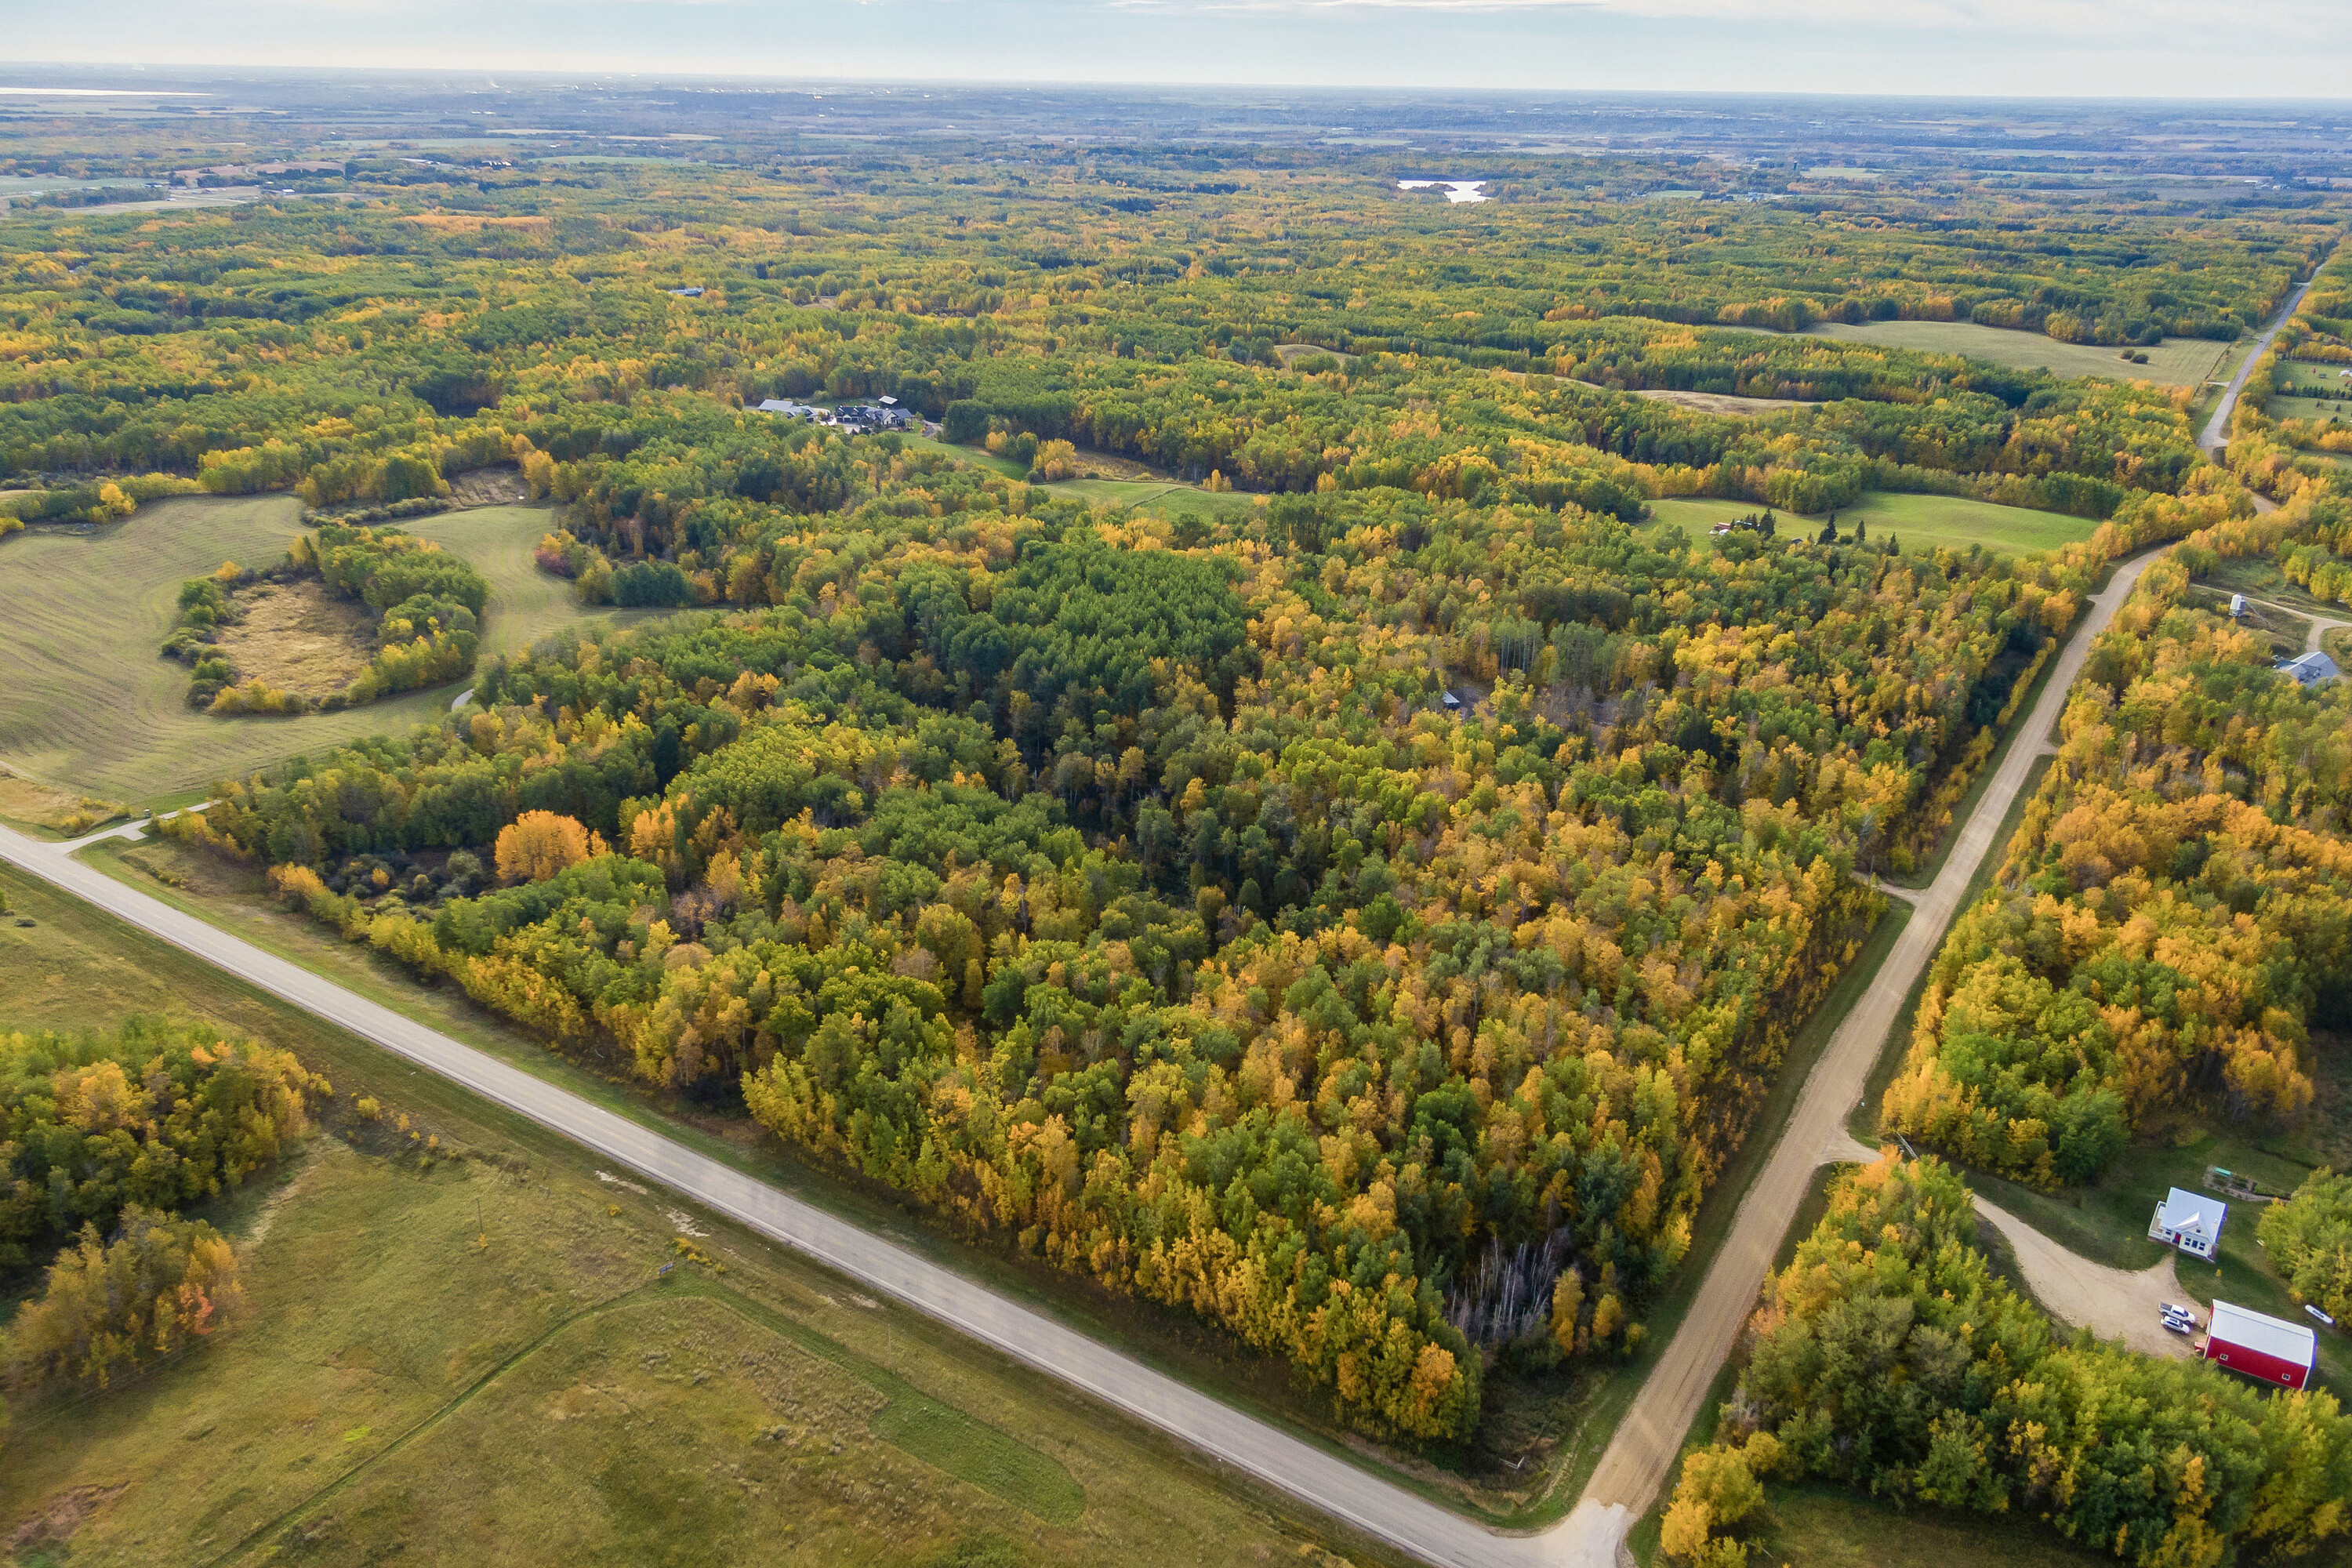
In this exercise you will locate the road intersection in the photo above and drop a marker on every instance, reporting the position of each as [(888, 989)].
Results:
[(1639, 1458)]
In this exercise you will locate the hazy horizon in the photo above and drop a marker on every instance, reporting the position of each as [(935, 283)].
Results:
[(2073, 49)]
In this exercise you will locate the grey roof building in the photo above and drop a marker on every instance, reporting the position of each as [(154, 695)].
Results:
[(2309, 671)]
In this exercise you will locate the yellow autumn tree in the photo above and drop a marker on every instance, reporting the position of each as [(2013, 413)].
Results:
[(112, 1309), (539, 844)]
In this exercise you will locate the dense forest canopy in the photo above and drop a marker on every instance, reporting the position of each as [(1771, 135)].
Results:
[(1363, 893)]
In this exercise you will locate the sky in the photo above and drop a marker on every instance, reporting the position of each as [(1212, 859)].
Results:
[(2151, 49)]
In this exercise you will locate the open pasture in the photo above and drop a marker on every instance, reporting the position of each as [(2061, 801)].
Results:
[(2175, 362), (91, 708), (2307, 390), (1918, 522), (526, 604)]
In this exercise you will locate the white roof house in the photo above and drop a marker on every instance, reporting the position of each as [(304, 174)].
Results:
[(2190, 1221)]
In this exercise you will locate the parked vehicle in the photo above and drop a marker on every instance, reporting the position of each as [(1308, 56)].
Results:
[(2313, 1308), (2179, 1319)]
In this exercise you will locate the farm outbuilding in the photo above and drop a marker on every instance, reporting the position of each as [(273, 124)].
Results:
[(2271, 1349), (2190, 1221)]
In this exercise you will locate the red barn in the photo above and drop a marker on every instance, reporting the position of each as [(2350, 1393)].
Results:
[(2268, 1348)]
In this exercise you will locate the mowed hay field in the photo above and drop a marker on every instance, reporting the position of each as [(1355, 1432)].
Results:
[(526, 604), (2307, 390), (90, 706), (473, 1356), (1917, 523), (2175, 361)]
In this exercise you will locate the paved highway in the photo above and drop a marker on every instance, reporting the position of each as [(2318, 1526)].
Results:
[(1339, 1487)]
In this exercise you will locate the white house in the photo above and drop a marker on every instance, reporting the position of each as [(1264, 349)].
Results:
[(2190, 1221)]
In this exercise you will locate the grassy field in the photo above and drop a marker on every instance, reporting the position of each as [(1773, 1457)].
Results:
[(476, 1357), (526, 604), (50, 812), (1918, 522), (2310, 390), (90, 708), (1159, 496), (2175, 361)]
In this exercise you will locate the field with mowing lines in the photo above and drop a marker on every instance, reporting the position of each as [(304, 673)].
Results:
[(2175, 361), (90, 707), (476, 1358), (1918, 522)]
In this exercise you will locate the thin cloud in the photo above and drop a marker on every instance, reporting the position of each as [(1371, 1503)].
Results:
[(2022, 19)]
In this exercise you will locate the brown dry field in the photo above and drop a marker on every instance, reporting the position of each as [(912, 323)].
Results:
[(31, 803), (294, 638), (1720, 402)]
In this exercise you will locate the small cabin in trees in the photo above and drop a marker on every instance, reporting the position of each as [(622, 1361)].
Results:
[(2309, 671)]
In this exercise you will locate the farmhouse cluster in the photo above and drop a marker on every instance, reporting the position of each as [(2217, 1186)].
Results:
[(882, 414)]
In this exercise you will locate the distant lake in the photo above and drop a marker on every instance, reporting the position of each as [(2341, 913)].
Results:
[(1455, 189)]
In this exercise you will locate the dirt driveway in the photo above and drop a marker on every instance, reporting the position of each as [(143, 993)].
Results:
[(2113, 1303)]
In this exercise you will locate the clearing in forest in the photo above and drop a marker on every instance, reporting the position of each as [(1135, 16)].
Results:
[(1917, 523), (91, 707), (2175, 362), (294, 638)]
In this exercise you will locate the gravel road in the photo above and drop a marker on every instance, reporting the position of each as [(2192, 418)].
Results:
[(1639, 1456)]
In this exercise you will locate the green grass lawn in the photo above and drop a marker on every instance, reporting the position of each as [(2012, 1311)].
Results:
[(474, 1358), (2310, 389), (2175, 361), (1157, 497), (1918, 523), (526, 604), (90, 706)]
